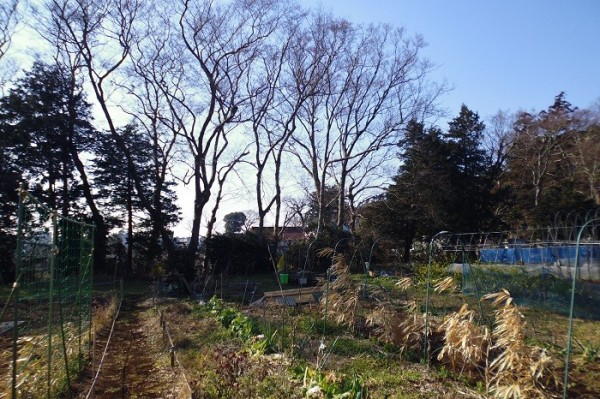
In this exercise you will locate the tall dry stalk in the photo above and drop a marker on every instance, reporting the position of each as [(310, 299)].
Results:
[(519, 370), (401, 326), (466, 344), (342, 296)]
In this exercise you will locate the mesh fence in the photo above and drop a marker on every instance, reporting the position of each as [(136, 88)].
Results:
[(46, 316), (553, 273), (537, 267)]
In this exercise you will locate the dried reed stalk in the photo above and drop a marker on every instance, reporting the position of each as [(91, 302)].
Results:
[(519, 370)]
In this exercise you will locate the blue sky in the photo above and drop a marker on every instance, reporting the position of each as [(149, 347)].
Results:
[(498, 55)]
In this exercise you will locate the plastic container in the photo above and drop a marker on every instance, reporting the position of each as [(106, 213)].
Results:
[(283, 278)]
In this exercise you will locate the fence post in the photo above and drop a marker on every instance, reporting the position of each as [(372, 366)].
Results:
[(570, 328), (18, 270), (425, 338), (53, 251), (91, 292)]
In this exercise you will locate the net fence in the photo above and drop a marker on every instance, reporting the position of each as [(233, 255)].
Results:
[(46, 315), (537, 266)]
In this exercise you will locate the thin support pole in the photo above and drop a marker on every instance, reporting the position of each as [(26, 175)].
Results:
[(53, 253), (62, 335), (81, 276), (367, 266), (91, 287), (18, 272), (570, 329), (425, 337)]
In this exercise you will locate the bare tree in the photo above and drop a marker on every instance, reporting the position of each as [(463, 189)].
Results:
[(537, 147), (9, 20), (313, 146), (296, 211), (147, 68), (100, 34), (205, 50), (221, 178), (585, 150), (274, 107), (251, 219), (8, 23), (375, 82), (366, 179), (499, 140)]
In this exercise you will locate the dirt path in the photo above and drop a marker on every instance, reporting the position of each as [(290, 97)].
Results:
[(136, 366)]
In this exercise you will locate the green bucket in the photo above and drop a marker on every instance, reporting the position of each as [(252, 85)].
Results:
[(283, 278)]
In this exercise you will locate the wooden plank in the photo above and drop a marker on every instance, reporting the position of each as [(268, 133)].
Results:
[(305, 298), (293, 292)]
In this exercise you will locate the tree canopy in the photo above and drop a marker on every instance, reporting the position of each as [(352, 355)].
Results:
[(319, 121)]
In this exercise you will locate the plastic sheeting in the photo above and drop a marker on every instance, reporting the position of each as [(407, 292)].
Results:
[(541, 255)]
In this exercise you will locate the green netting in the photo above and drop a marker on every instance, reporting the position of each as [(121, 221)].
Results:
[(552, 273), (537, 268), (46, 317)]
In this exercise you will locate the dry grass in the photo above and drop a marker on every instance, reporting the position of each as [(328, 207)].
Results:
[(403, 325), (342, 296), (466, 344), (518, 370), (103, 313), (501, 358)]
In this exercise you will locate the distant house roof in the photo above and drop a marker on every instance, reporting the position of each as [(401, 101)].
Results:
[(290, 233)]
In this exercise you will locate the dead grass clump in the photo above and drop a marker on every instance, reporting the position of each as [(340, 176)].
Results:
[(402, 326), (466, 344), (383, 318), (104, 313), (343, 294), (229, 373), (409, 334), (519, 370)]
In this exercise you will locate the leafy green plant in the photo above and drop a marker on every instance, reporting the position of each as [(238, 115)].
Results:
[(318, 384), (589, 352), (262, 344), (439, 271), (241, 327)]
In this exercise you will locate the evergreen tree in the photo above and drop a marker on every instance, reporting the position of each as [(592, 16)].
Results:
[(445, 182), (116, 190), (415, 203), (234, 222), (48, 117), (50, 120), (469, 206), (10, 176)]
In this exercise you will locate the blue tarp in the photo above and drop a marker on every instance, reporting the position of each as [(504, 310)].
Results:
[(539, 255)]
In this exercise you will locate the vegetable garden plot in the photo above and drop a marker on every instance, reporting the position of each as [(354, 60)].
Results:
[(48, 311)]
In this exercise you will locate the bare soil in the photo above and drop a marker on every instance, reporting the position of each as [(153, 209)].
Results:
[(136, 364)]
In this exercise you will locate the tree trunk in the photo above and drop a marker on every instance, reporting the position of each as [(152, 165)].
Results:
[(65, 188), (129, 262), (341, 197)]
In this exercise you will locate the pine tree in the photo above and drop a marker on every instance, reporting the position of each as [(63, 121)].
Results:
[(468, 207), (115, 186), (49, 119)]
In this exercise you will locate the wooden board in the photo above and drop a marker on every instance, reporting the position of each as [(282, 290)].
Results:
[(292, 297), (292, 292)]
